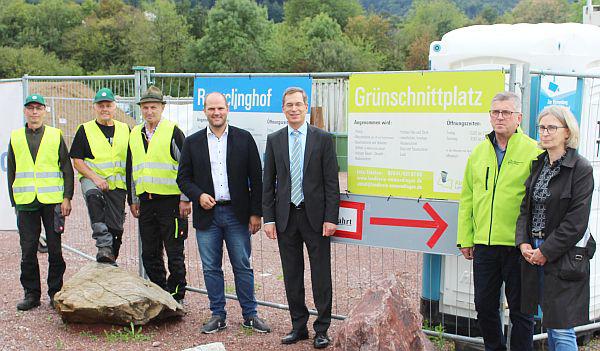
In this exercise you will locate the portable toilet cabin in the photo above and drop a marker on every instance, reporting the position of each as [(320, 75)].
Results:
[(569, 47)]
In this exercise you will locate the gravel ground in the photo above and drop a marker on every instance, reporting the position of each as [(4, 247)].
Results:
[(354, 269), (42, 328)]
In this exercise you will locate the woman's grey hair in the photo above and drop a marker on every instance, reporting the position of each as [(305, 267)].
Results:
[(509, 96), (564, 115)]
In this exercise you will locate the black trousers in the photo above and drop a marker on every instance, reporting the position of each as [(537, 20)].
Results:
[(161, 227), (493, 265), (290, 242), (29, 224)]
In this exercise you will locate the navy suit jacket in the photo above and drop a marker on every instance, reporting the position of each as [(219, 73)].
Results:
[(320, 183), (194, 176)]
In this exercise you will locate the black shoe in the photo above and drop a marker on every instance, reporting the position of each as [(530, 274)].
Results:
[(105, 255), (42, 247), (256, 324), (28, 303), (294, 336), (214, 324), (321, 340), (52, 303)]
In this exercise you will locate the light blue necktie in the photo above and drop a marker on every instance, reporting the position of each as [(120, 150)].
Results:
[(296, 170)]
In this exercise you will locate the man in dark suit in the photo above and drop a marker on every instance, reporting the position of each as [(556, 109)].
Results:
[(219, 171), (300, 205)]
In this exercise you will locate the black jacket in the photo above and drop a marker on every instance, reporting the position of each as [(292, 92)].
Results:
[(243, 172), (565, 303), (320, 183)]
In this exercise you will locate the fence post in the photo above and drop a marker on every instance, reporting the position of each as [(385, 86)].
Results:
[(139, 84), (526, 97), (512, 78), (25, 81)]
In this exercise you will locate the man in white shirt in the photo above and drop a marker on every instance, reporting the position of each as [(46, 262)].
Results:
[(220, 172)]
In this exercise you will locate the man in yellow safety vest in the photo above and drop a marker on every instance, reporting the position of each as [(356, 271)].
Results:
[(99, 152), (40, 186), (157, 201)]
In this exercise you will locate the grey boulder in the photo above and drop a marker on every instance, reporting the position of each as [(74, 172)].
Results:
[(101, 293)]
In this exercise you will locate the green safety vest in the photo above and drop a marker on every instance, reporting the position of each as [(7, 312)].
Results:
[(43, 178), (154, 171), (109, 160)]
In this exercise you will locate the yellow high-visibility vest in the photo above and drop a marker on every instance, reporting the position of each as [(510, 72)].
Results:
[(109, 160), (43, 178), (154, 171)]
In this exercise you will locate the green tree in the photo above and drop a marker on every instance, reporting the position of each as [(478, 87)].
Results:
[(317, 44), (161, 39), (274, 9), (16, 62), (101, 43), (487, 15), (50, 21), (539, 11), (340, 10), (426, 22), (375, 34), (15, 17), (195, 15), (237, 32)]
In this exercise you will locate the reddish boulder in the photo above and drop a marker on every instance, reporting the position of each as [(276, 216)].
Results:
[(384, 319)]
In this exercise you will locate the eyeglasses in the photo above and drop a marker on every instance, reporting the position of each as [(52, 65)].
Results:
[(551, 129), (503, 113), (289, 105), (35, 108)]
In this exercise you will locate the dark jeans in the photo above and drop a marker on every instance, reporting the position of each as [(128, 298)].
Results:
[(161, 227), (493, 265), (226, 227), (29, 225), (290, 242)]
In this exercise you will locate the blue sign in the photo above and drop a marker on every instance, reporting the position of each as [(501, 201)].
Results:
[(249, 94), (557, 91)]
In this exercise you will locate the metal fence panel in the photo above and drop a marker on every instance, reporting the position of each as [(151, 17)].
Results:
[(354, 268)]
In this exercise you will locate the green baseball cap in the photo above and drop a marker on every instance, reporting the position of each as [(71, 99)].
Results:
[(104, 94), (34, 98)]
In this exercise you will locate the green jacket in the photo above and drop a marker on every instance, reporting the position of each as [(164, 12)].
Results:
[(490, 199)]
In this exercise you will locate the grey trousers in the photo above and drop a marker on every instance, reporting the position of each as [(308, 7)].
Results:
[(107, 214)]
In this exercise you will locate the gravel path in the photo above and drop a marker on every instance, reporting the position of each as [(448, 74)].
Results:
[(354, 269)]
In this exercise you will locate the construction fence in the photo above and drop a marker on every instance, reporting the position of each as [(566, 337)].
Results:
[(355, 268)]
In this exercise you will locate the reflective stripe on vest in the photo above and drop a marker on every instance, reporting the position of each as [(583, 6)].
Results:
[(109, 160), (41, 179), (154, 170)]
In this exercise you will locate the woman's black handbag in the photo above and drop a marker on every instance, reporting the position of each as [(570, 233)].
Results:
[(575, 264)]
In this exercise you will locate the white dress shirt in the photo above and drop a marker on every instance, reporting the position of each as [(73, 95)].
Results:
[(217, 151)]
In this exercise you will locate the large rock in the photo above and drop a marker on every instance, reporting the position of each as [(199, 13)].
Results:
[(101, 293), (384, 319)]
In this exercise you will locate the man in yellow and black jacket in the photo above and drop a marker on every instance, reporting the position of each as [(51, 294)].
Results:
[(99, 152), (40, 186), (156, 199), (493, 187)]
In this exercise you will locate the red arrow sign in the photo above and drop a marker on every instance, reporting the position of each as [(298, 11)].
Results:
[(437, 222)]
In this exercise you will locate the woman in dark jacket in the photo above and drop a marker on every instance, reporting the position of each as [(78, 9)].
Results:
[(554, 219)]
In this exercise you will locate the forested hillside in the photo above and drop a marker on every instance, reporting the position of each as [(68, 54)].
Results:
[(110, 36)]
